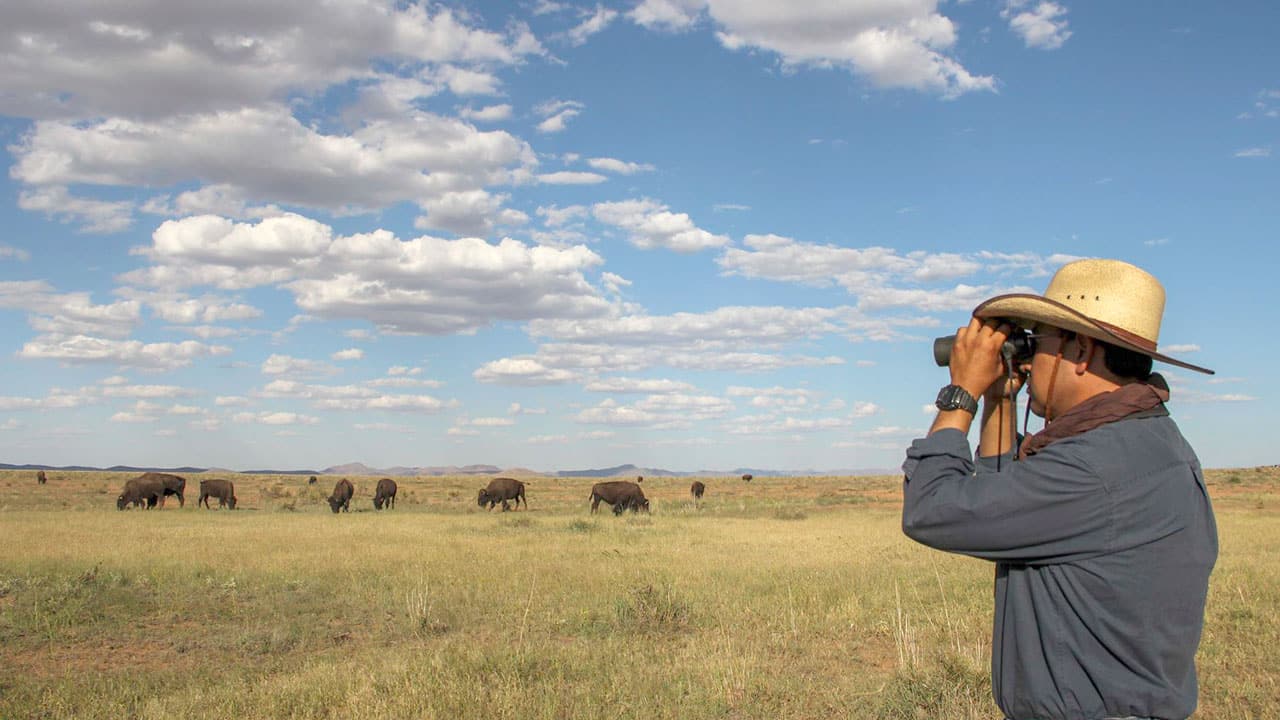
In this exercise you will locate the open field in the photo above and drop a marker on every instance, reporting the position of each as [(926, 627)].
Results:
[(782, 598)]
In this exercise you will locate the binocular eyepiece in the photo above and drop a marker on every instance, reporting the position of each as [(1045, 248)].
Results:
[(1018, 348)]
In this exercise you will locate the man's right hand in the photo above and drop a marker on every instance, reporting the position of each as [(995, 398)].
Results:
[(976, 362)]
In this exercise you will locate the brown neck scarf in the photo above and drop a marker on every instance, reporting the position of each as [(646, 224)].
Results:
[(1100, 410)]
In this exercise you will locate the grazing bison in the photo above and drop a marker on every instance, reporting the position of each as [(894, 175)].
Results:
[(385, 494), (696, 489), (145, 489), (501, 490), (40, 477), (639, 478), (746, 478), (173, 485), (311, 480), (223, 490), (622, 495), (341, 497)]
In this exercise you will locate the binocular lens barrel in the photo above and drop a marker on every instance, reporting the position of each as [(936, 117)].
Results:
[(942, 350), (1018, 348)]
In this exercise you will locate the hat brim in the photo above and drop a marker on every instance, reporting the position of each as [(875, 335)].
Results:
[(1025, 309)]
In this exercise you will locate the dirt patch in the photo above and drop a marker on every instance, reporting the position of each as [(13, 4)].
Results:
[(100, 658)]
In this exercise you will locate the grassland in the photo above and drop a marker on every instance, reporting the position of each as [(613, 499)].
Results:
[(782, 598)]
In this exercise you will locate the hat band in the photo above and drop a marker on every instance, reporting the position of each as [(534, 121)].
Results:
[(1130, 337)]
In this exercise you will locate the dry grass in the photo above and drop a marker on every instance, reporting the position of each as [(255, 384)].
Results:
[(795, 597)]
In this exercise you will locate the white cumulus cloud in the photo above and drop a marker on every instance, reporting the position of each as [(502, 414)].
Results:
[(620, 167), (1042, 25), (651, 224), (893, 44), (82, 349), (425, 285), (669, 15), (597, 22)]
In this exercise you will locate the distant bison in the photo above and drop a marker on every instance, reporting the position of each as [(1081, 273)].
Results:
[(639, 478), (696, 489), (311, 480), (341, 497), (385, 494), (145, 489), (223, 490), (40, 477), (746, 478), (501, 490), (622, 495)]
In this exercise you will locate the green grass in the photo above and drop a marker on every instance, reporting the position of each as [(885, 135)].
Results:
[(765, 600)]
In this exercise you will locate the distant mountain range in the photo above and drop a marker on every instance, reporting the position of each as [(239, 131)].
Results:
[(113, 468), (358, 469), (362, 469)]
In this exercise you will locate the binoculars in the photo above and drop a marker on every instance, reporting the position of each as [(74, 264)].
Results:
[(1017, 349)]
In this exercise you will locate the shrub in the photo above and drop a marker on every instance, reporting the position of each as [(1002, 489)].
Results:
[(650, 608), (518, 521)]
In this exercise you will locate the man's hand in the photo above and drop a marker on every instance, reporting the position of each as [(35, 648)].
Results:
[(976, 363)]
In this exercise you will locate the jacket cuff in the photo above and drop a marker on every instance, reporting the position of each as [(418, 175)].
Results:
[(948, 441)]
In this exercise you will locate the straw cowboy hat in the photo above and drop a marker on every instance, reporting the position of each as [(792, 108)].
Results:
[(1108, 300)]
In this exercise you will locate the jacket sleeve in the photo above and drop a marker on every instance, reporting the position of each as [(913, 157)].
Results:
[(1048, 508)]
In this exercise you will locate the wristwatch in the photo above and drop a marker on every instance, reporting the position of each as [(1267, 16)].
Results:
[(954, 397)]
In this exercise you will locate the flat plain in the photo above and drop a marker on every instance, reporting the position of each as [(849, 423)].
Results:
[(778, 598)]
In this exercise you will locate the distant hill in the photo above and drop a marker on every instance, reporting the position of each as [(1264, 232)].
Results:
[(837, 472), (615, 471), (401, 470), (520, 472), (349, 469), (113, 468)]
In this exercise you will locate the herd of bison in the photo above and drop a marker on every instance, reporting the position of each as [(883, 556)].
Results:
[(150, 489)]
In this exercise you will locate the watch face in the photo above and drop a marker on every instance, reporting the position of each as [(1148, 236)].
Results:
[(954, 397), (947, 398)]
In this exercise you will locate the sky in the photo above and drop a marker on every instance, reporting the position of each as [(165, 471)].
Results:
[(684, 234)]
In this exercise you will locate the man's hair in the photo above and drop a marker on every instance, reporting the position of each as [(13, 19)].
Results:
[(1121, 362), (1125, 363)]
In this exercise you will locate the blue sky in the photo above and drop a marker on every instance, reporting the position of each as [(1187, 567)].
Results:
[(691, 234)]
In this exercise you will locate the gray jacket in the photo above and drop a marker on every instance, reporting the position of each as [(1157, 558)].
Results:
[(1103, 544)]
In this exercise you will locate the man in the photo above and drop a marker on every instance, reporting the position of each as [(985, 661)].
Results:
[(1102, 531)]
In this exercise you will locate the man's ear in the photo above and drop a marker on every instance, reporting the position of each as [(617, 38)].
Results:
[(1086, 347)]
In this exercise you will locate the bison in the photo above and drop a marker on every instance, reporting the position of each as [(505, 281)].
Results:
[(635, 504), (173, 485), (385, 494), (223, 490), (501, 490), (40, 477), (639, 478), (746, 478), (696, 489), (144, 489), (622, 495), (341, 497), (311, 480)]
